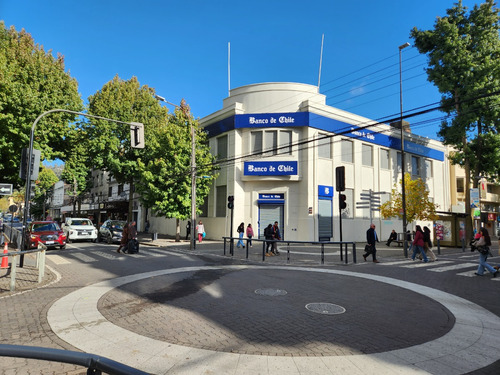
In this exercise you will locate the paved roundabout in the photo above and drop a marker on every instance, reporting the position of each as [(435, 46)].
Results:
[(274, 320)]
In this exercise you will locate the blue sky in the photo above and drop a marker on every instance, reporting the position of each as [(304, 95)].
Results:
[(180, 47)]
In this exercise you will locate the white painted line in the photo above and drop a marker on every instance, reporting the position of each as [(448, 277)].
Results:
[(421, 264), (471, 344), (397, 263), (454, 267), (57, 259), (84, 258)]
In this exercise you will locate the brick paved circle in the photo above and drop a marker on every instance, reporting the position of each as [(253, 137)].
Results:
[(218, 310)]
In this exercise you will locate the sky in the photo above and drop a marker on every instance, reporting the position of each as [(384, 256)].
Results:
[(180, 48)]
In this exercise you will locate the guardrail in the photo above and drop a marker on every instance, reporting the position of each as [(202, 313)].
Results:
[(40, 262), (343, 247), (95, 364)]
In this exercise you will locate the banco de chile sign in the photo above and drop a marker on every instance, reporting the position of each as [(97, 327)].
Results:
[(270, 168)]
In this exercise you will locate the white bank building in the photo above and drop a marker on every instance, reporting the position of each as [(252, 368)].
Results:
[(279, 145)]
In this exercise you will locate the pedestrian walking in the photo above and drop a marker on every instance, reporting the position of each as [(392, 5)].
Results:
[(241, 232), (268, 235), (124, 239), (418, 244), (392, 237), (428, 244), (371, 239), (188, 229), (483, 247), (276, 236), (200, 229), (249, 234)]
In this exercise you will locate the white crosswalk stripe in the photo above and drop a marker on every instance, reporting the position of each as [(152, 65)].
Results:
[(424, 265), (57, 259), (83, 257), (453, 267)]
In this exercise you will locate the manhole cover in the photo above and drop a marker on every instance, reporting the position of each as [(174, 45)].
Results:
[(271, 292), (325, 308)]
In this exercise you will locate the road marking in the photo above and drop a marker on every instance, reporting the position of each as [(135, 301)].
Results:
[(84, 258), (469, 345), (57, 259), (396, 263), (454, 267), (418, 264)]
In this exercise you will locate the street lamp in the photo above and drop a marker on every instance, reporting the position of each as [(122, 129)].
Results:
[(192, 243), (403, 195)]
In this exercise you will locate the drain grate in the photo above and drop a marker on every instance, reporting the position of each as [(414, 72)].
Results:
[(271, 292), (325, 308)]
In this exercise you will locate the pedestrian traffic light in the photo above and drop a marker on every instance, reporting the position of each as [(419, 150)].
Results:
[(340, 178), (230, 202), (342, 202), (32, 190)]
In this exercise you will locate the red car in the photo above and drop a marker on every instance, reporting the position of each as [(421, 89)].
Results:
[(47, 232)]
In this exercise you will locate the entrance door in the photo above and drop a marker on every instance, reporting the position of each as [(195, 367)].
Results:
[(325, 219), (268, 214)]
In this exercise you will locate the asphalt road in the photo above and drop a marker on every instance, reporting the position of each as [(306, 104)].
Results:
[(169, 310)]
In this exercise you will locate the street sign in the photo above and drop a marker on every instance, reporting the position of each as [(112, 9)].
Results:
[(137, 135), (5, 189)]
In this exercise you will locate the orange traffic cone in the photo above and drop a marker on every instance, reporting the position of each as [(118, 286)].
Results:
[(5, 259)]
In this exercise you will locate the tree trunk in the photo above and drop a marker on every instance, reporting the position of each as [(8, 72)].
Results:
[(177, 230)]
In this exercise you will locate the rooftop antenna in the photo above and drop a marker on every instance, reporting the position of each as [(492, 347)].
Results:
[(320, 59), (228, 68)]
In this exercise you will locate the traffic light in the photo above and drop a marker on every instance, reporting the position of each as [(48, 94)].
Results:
[(230, 202), (340, 178), (342, 202), (32, 190)]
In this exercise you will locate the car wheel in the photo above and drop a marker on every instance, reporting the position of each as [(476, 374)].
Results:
[(62, 247), (109, 239), (94, 240)]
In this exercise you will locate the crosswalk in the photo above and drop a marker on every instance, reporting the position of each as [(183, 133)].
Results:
[(95, 256), (462, 264)]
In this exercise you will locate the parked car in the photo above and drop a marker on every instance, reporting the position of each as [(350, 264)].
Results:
[(47, 232), (111, 231), (79, 229)]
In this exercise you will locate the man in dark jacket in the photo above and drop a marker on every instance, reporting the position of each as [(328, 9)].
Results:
[(371, 238)]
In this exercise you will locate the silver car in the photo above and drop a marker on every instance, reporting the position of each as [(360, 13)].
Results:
[(79, 229)]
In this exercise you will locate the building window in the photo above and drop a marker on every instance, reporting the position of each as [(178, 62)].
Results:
[(110, 191), (460, 185), (285, 140), (256, 142), (220, 201), (348, 212), (102, 179), (204, 207), (384, 159), (347, 151), (120, 189), (415, 166), (428, 168), (489, 188), (367, 155), (271, 141), (222, 147), (324, 146)]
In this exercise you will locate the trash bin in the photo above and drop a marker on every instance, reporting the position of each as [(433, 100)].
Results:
[(154, 236)]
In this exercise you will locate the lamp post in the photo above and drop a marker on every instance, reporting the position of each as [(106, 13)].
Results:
[(403, 195), (192, 243)]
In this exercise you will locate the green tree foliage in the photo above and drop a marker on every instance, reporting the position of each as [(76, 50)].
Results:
[(32, 81), (165, 169), (46, 180), (464, 63), (418, 205), (110, 147)]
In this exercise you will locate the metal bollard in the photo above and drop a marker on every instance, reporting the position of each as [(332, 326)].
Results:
[(154, 236)]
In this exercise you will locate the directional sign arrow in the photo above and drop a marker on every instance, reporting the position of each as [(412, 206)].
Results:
[(5, 189)]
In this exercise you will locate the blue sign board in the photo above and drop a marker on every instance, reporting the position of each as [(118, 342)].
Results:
[(325, 191), (270, 168), (259, 120)]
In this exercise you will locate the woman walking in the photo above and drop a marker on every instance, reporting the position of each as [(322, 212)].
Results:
[(249, 234), (200, 229), (241, 231), (418, 244), (428, 244), (483, 246)]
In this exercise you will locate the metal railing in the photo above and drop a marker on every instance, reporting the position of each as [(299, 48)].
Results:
[(95, 364), (344, 251)]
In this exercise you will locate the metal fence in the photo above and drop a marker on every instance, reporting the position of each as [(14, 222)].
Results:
[(285, 246), (95, 364)]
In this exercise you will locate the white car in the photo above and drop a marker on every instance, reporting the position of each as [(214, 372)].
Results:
[(79, 229)]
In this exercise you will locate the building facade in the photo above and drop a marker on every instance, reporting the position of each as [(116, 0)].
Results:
[(279, 145)]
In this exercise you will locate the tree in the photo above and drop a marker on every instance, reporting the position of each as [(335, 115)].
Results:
[(46, 180), (32, 81), (165, 169), (464, 63), (418, 205), (109, 146)]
